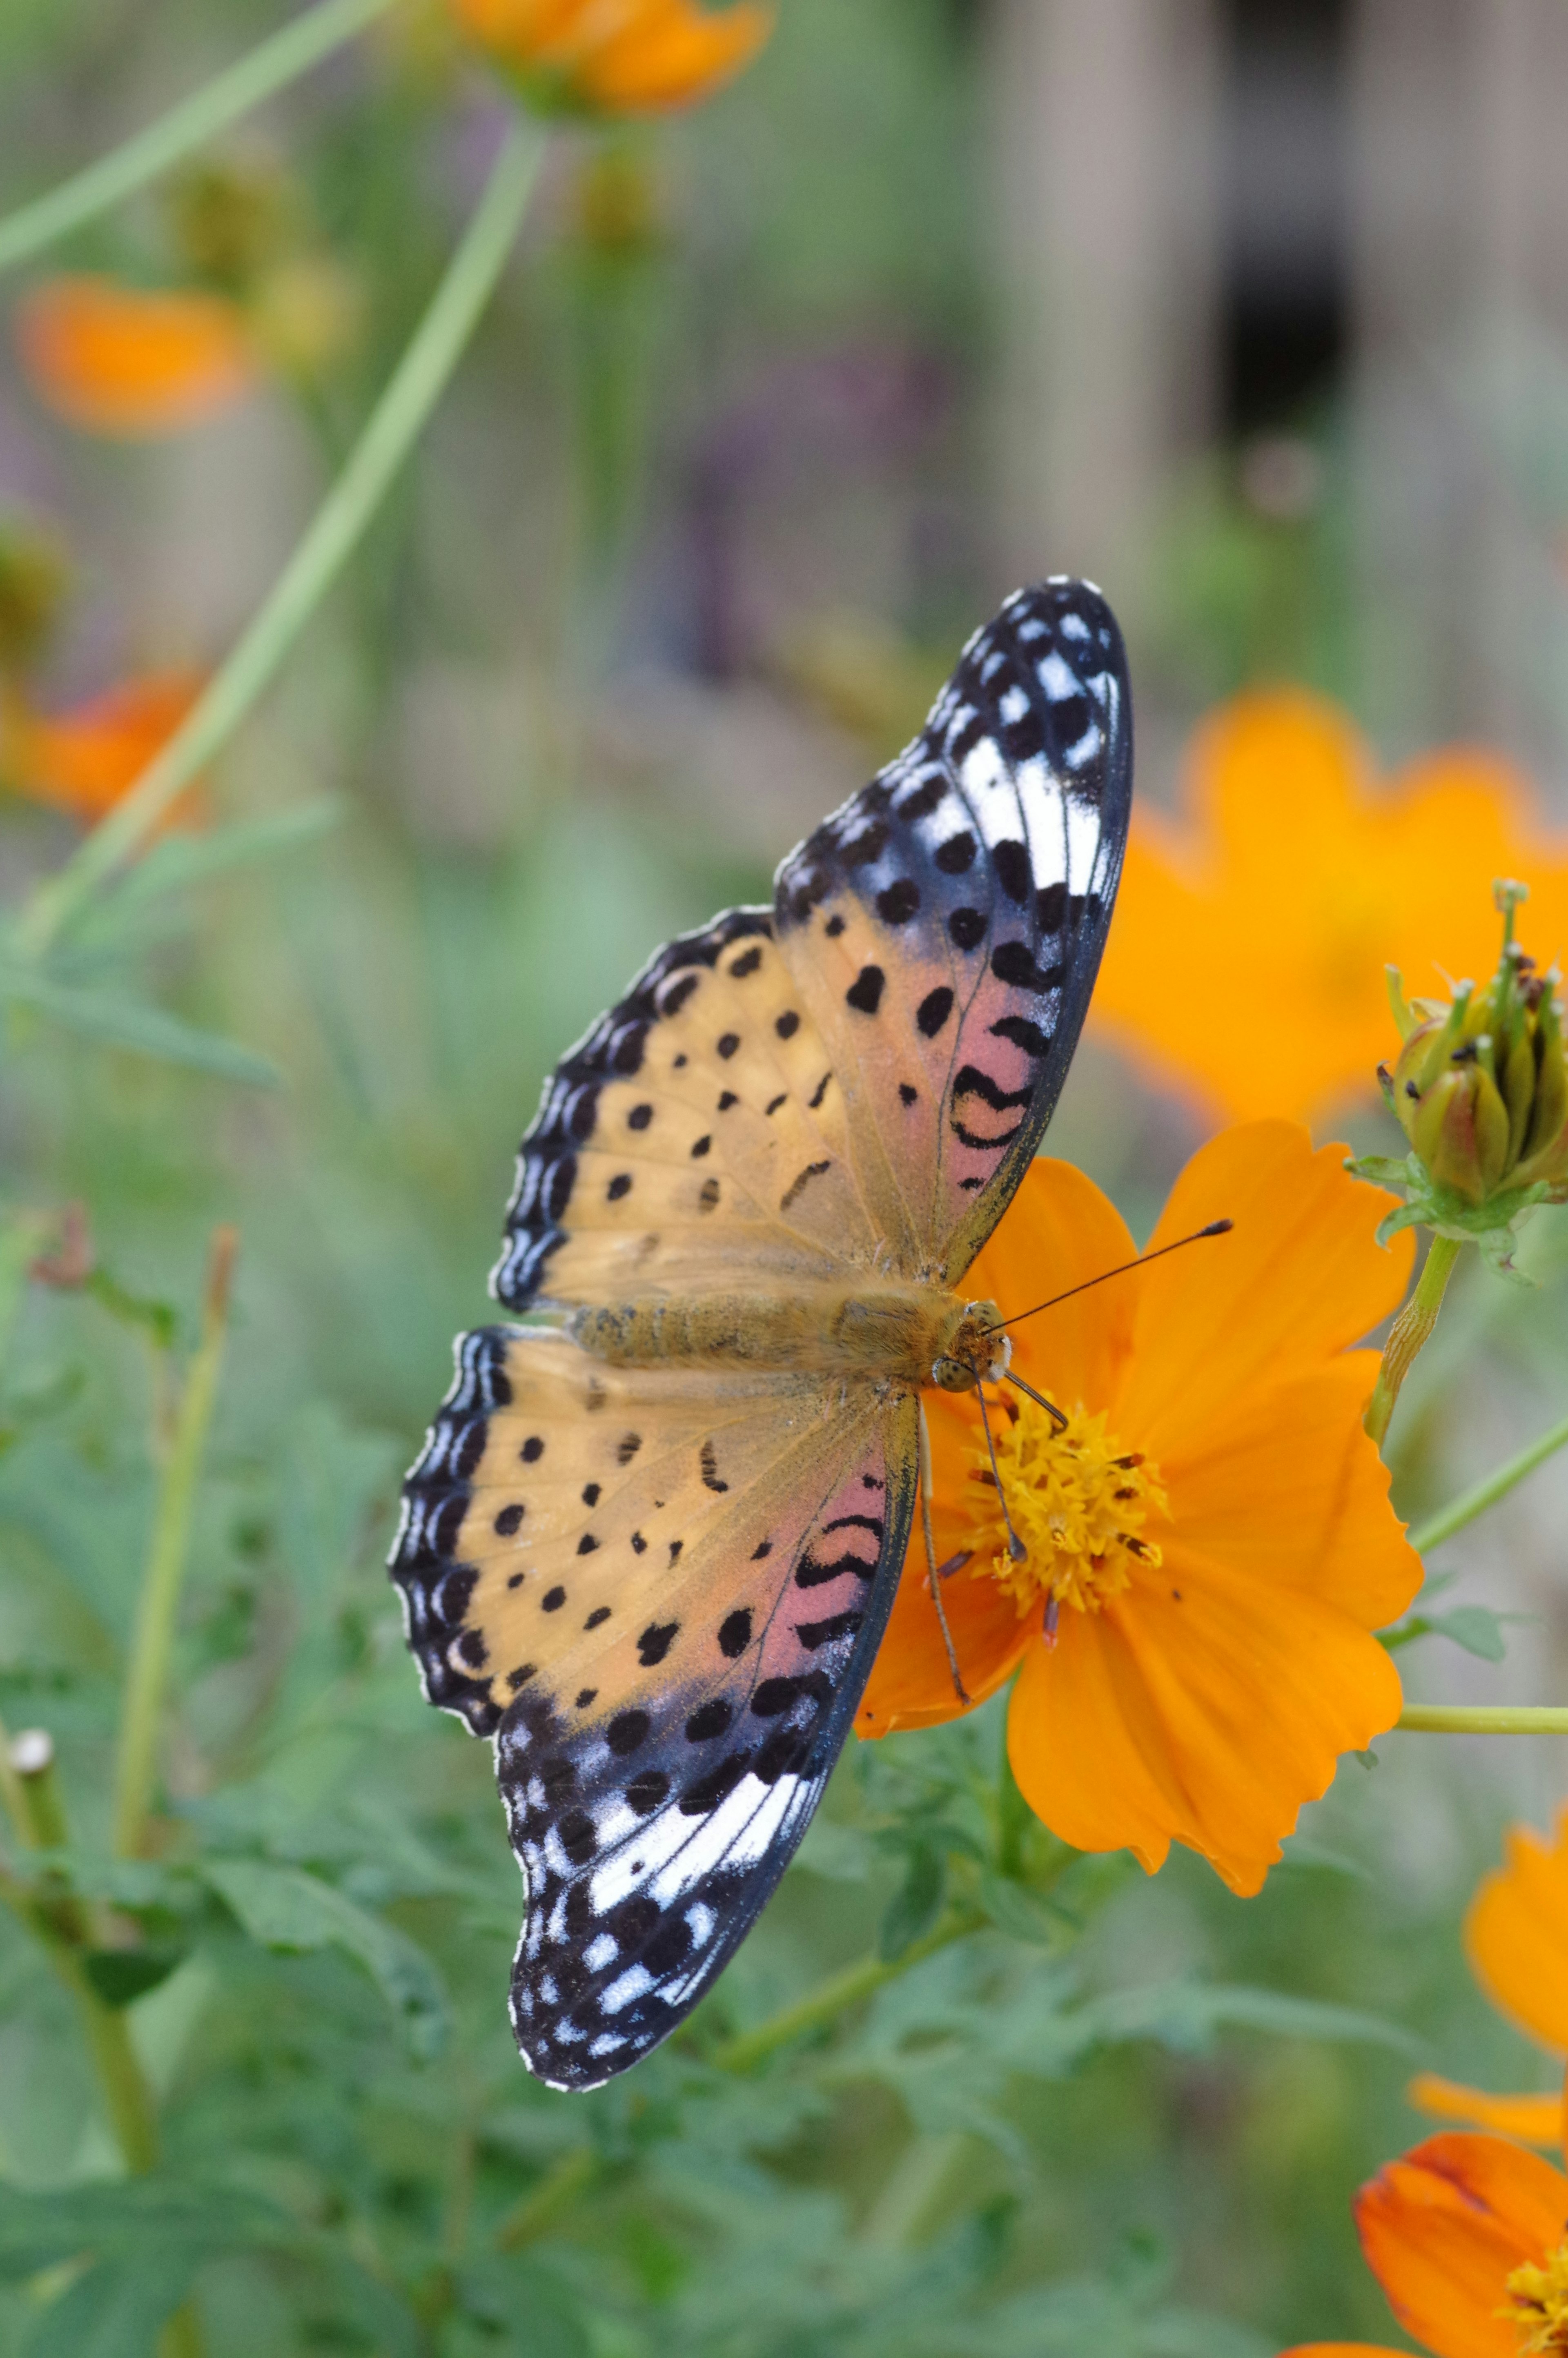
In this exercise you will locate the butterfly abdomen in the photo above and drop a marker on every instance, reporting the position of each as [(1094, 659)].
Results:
[(881, 1329)]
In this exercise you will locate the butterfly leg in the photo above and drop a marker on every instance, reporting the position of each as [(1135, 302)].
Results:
[(933, 1576), (1015, 1546)]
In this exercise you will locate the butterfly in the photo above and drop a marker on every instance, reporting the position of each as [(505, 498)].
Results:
[(651, 1540)]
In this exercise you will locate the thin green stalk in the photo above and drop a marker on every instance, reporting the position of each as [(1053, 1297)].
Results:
[(1485, 1718), (268, 67), (540, 2209), (835, 1998), (1486, 1492), (389, 435), (1410, 1332), (159, 1604), (12, 1797)]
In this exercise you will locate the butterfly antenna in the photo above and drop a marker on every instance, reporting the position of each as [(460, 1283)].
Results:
[(1215, 1228), (1016, 1548), (933, 1576)]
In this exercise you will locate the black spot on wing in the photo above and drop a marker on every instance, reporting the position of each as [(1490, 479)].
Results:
[(616, 1047)]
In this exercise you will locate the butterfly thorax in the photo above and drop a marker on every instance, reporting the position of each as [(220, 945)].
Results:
[(881, 1327)]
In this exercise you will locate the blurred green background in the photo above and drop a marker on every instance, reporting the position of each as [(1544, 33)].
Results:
[(1255, 312)]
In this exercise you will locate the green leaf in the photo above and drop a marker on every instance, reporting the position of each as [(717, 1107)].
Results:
[(181, 861), (137, 2215), (119, 1976), (1026, 1915), (1186, 2016), (1477, 1627), (916, 1904), (117, 2308), (284, 1908), (121, 1021)]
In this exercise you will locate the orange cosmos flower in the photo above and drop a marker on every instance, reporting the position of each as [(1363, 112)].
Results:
[(83, 761), (133, 364), (1210, 1542), (1246, 958), (617, 57), (1468, 2237), (1517, 1936)]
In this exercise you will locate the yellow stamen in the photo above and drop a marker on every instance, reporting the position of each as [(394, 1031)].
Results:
[(1079, 1501), (1538, 2304)]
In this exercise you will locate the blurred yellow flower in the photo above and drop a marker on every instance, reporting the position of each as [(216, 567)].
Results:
[(1210, 1544), (617, 57), (83, 760), (1517, 1937), (132, 363), (1246, 959)]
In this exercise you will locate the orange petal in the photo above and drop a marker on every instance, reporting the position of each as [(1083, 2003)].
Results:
[(629, 57), (1059, 1232), (679, 62), (1286, 1487), (1445, 2226), (1299, 1279), (121, 361), (1534, 2120), (1201, 1706), (911, 1683), (1291, 865), (1516, 1934), (85, 760)]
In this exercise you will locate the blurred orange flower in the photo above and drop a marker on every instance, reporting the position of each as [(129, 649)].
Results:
[(1517, 1936), (1246, 958), (1210, 1541), (83, 761), (1466, 2234), (131, 362), (617, 57)]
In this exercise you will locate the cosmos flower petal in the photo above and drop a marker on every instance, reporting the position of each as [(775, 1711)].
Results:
[(1060, 1232), (83, 760), (1246, 957), (1445, 2226), (1300, 1278), (1516, 1934), (1284, 1487), (131, 362), (618, 56), (1217, 1708), (1534, 2120)]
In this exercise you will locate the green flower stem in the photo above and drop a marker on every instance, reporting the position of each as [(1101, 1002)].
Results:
[(13, 1794), (148, 1674), (268, 69), (1486, 1719), (62, 1924), (1474, 1501), (393, 429), (836, 1996), (540, 2209), (1410, 1331)]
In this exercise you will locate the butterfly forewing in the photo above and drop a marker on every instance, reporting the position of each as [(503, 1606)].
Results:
[(662, 1598), (698, 1137), (946, 926)]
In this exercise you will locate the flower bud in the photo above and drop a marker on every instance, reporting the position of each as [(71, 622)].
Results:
[(1480, 1090)]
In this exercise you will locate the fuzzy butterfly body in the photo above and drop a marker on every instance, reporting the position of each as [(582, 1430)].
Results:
[(650, 1547)]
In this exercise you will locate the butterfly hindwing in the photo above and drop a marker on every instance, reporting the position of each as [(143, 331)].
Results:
[(946, 926), (668, 1700)]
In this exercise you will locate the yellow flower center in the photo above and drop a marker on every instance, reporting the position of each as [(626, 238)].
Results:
[(1538, 2304), (1078, 1501)]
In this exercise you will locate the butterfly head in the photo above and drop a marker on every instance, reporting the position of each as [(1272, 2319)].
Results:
[(976, 1352)]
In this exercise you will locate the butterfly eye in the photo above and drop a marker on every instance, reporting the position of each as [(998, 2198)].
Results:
[(952, 1375)]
